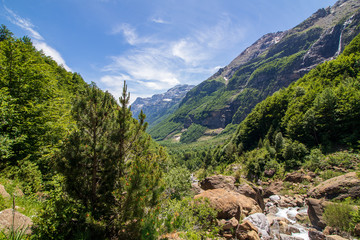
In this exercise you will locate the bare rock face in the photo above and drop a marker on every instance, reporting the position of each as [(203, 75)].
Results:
[(338, 188), (3, 192), (315, 212), (20, 221), (229, 203)]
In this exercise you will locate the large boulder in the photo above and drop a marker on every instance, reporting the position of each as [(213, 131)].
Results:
[(20, 221), (315, 212), (228, 182), (338, 188), (218, 181), (252, 192), (230, 204)]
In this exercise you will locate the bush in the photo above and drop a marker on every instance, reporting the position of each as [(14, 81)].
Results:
[(338, 215), (178, 182), (315, 160), (192, 216)]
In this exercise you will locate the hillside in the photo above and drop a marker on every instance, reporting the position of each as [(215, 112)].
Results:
[(159, 106), (271, 63)]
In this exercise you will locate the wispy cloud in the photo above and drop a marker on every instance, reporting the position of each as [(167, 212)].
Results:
[(160, 64), (38, 40), (159, 20), (130, 34)]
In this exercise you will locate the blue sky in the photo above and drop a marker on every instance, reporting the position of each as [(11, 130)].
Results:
[(152, 44)]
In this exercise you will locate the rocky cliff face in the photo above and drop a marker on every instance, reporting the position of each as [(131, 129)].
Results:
[(271, 63), (160, 105)]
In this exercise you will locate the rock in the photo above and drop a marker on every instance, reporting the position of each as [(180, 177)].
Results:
[(357, 229), (315, 212), (302, 217), (329, 230), (228, 182), (218, 181), (6, 220), (230, 204), (195, 188), (228, 224), (247, 231), (252, 192), (338, 188), (293, 229), (316, 235), (273, 189), (3, 192), (274, 198), (334, 237), (295, 177), (288, 237), (261, 222), (269, 173)]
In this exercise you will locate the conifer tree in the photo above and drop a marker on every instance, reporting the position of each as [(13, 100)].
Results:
[(111, 165)]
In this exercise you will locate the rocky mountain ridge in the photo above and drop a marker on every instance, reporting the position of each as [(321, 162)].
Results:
[(160, 105), (271, 63)]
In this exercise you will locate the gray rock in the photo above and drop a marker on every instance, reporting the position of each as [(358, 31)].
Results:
[(261, 222)]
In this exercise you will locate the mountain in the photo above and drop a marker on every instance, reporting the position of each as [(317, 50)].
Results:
[(159, 106), (271, 63)]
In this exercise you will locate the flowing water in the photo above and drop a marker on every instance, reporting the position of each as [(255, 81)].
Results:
[(289, 214)]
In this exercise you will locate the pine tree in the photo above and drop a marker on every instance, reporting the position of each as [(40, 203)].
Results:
[(111, 165)]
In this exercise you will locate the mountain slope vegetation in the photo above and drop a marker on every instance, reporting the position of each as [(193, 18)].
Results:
[(320, 110), (271, 63)]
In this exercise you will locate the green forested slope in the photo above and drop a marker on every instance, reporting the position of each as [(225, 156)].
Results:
[(273, 62), (35, 103), (322, 109)]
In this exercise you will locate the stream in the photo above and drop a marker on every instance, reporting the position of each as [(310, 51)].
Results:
[(289, 214)]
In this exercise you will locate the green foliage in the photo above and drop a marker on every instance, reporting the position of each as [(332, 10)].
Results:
[(194, 132), (319, 110), (315, 160), (194, 217), (2, 203), (338, 215), (178, 182), (62, 216), (112, 173), (35, 95)]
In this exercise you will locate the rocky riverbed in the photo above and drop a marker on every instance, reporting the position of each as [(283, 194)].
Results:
[(249, 211)]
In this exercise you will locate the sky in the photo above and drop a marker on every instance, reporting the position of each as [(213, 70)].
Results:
[(151, 44)]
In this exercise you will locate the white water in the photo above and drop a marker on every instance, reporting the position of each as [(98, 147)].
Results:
[(289, 214)]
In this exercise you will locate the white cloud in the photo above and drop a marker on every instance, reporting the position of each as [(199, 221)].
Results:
[(49, 51), (160, 64), (130, 34), (38, 40), (159, 20)]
